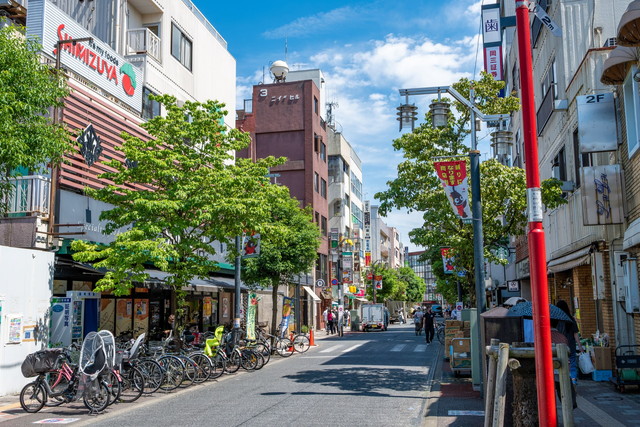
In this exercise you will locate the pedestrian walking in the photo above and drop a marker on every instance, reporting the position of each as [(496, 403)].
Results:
[(330, 322), (570, 330), (428, 324), (417, 321), (326, 319)]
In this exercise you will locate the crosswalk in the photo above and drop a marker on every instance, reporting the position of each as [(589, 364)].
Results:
[(337, 349)]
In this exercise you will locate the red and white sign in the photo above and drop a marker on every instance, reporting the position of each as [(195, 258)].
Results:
[(95, 61), (453, 176), (493, 61)]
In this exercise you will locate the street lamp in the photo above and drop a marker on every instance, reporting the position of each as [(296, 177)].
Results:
[(439, 112)]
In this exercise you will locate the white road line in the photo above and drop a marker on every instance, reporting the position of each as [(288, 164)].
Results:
[(352, 348), (420, 348), (398, 347), (458, 413), (335, 347)]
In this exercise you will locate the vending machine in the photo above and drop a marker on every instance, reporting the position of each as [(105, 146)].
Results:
[(73, 317)]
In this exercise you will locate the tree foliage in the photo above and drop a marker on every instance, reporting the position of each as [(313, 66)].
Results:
[(28, 90), (503, 189), (288, 247), (400, 284), (190, 193)]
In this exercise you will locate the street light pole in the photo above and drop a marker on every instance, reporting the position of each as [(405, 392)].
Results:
[(537, 255)]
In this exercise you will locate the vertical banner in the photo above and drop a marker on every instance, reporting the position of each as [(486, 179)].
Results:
[(453, 176), (251, 316), (493, 62), (286, 313), (447, 260), (251, 245), (377, 280), (602, 201)]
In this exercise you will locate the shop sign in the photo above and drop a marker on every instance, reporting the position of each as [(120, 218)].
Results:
[(94, 60), (602, 202), (597, 123)]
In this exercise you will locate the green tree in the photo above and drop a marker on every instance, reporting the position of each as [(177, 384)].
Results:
[(288, 247), (178, 192), (28, 89), (415, 285), (418, 188), (392, 286)]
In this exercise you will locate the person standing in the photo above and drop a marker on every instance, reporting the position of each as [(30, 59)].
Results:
[(570, 330), (330, 320), (326, 319), (428, 324), (417, 321)]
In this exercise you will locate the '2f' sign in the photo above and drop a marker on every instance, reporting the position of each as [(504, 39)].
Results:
[(593, 99), (547, 21)]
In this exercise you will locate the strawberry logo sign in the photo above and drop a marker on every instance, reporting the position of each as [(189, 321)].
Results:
[(128, 79)]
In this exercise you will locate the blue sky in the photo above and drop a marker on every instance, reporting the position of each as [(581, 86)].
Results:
[(367, 51)]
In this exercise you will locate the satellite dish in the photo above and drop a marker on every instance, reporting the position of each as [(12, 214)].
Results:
[(279, 69)]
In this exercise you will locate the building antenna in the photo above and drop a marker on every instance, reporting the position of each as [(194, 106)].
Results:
[(286, 48), (331, 119)]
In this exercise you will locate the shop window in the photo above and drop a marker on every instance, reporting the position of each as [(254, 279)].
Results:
[(631, 111), (181, 47), (150, 108)]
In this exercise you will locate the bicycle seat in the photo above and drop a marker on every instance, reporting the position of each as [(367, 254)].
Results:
[(98, 363), (212, 343)]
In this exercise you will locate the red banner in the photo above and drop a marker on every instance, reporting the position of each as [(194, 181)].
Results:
[(453, 176)]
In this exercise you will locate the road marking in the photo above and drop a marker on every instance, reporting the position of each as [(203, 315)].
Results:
[(458, 413), (352, 348), (596, 413), (420, 348), (398, 347), (335, 347)]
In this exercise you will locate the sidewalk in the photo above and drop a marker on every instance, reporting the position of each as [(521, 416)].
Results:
[(452, 402)]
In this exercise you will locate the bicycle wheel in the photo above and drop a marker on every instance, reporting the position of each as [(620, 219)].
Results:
[(96, 396), (32, 397), (219, 366), (153, 375), (248, 359), (233, 362), (57, 398), (204, 364), (284, 347), (190, 372), (440, 334), (113, 385), (264, 351), (132, 385), (301, 343), (173, 370), (261, 361)]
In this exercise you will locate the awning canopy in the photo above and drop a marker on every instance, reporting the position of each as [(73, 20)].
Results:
[(629, 26), (617, 65), (312, 294), (572, 260), (632, 235), (212, 284)]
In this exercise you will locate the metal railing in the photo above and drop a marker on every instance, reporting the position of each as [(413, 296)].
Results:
[(30, 195), (142, 40)]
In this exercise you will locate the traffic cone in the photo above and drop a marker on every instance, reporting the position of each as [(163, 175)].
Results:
[(311, 341)]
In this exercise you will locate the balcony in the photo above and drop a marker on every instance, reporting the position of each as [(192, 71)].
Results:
[(141, 41), (30, 196)]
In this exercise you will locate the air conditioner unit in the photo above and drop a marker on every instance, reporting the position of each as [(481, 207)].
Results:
[(619, 258)]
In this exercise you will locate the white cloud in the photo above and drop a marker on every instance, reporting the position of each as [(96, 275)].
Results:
[(311, 24)]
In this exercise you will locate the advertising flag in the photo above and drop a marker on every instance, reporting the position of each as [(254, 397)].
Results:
[(453, 176), (447, 260), (251, 316)]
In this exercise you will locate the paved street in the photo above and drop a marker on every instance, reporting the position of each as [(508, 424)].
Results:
[(374, 379)]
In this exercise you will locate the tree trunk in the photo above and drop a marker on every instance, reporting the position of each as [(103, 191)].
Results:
[(525, 399), (274, 309)]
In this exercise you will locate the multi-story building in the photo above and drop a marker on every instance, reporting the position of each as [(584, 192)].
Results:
[(584, 236), (422, 268), (136, 48), (286, 120)]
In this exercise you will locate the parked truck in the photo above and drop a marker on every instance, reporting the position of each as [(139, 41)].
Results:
[(375, 317)]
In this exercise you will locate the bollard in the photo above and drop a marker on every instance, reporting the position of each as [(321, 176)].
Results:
[(311, 340)]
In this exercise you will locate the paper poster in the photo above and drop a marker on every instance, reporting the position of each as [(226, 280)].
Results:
[(453, 176), (15, 329), (28, 333)]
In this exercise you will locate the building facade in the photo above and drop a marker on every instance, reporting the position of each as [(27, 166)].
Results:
[(422, 268)]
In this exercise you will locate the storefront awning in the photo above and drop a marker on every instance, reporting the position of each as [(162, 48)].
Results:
[(629, 26), (632, 235), (617, 65), (362, 299), (312, 294), (572, 260), (212, 284)]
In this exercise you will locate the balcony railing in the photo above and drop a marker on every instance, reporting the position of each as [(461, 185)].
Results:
[(143, 41), (30, 196)]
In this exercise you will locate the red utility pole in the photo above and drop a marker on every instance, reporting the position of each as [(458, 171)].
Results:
[(537, 255)]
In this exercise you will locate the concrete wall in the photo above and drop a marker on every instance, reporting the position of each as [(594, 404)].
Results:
[(25, 290)]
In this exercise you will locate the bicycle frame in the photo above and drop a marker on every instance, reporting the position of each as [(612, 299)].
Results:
[(64, 371)]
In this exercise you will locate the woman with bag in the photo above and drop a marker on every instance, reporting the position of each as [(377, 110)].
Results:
[(417, 321), (570, 330)]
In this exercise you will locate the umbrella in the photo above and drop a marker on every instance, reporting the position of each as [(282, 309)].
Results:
[(513, 301), (524, 309)]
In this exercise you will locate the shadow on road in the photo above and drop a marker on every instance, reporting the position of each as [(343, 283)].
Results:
[(369, 382)]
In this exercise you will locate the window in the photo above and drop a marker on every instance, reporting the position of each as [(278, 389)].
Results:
[(560, 165), (180, 47), (316, 182), (323, 151), (317, 218), (323, 226), (315, 105), (356, 186), (337, 208), (549, 81), (323, 188), (631, 110), (579, 160), (150, 108)]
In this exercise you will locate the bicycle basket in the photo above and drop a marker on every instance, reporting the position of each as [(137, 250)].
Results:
[(40, 362)]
